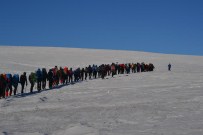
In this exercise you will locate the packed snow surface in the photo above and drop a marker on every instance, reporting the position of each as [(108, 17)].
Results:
[(150, 103)]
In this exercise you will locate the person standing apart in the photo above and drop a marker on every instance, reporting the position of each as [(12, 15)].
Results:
[(169, 67)]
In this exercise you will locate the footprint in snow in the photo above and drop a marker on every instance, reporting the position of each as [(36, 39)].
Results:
[(43, 99)]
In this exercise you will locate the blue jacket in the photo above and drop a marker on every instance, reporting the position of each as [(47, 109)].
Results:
[(39, 74)]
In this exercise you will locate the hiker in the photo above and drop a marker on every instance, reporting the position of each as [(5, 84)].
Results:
[(82, 74), (146, 67), (108, 69), (169, 67), (138, 67), (50, 78), (127, 68), (70, 75), (15, 82), (9, 85), (39, 79), (32, 80), (122, 67), (77, 74), (61, 75), (23, 81), (151, 67), (99, 71), (113, 69), (134, 68), (103, 71), (44, 78), (56, 76), (142, 67), (94, 69), (116, 68), (86, 72), (90, 71), (65, 75), (2, 86)]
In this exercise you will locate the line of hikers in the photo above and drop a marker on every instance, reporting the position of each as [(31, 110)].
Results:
[(56, 76)]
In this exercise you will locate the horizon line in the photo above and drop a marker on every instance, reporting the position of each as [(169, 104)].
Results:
[(106, 49)]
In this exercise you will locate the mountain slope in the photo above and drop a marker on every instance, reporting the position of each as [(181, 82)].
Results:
[(159, 102)]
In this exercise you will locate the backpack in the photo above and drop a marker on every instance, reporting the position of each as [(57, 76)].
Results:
[(39, 74), (70, 72), (112, 67), (32, 77), (66, 70), (8, 78), (44, 73), (15, 79)]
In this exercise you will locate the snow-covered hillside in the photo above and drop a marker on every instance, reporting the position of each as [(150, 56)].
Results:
[(150, 103)]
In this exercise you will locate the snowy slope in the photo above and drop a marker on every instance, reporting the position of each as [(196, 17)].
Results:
[(153, 103)]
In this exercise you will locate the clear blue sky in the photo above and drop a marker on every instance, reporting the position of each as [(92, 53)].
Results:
[(166, 26)]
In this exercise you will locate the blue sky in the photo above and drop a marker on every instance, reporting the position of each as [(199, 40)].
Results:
[(165, 26)]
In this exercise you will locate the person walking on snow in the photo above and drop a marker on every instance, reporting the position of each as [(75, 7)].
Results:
[(44, 78), (169, 67), (23, 81), (50, 78), (113, 69), (39, 79), (32, 80), (15, 82)]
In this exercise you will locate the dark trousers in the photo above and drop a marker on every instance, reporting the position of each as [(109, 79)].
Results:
[(66, 79), (2, 92), (39, 84), (15, 89), (90, 74), (32, 86), (44, 84), (85, 76), (11, 90), (22, 87), (50, 84), (70, 78), (113, 73), (95, 74)]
